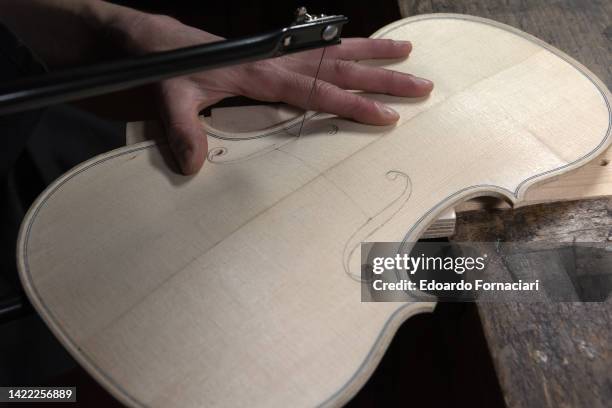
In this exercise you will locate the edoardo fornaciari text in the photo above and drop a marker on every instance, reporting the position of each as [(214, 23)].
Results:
[(433, 285)]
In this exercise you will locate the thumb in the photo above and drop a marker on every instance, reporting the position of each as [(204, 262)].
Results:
[(179, 112)]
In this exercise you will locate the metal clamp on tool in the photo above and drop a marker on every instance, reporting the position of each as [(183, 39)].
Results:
[(307, 32)]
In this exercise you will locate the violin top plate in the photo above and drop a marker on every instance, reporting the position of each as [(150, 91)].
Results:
[(239, 286)]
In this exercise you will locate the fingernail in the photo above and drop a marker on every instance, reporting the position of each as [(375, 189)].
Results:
[(422, 82), (387, 112), (403, 44)]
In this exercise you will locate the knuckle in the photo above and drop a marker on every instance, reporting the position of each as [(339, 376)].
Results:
[(342, 66), (258, 80), (342, 69), (321, 91), (322, 88), (356, 106), (256, 68), (389, 80), (386, 42)]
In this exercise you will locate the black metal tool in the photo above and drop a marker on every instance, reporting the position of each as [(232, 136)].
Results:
[(307, 32)]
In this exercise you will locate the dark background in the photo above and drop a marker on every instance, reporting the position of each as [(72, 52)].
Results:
[(238, 18)]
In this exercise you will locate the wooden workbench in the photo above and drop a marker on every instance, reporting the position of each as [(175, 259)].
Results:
[(547, 354)]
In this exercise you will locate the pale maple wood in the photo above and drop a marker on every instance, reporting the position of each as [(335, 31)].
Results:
[(239, 286), (593, 180)]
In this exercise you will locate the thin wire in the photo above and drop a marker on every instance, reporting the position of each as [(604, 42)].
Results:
[(314, 84)]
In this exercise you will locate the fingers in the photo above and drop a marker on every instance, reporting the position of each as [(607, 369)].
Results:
[(339, 68), (186, 137), (369, 48), (351, 75), (296, 89)]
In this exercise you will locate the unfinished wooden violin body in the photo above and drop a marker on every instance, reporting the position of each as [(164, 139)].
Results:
[(240, 286)]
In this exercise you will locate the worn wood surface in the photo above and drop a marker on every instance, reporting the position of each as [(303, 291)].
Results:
[(547, 354)]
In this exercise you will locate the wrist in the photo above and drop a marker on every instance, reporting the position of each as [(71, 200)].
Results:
[(47, 26), (116, 26)]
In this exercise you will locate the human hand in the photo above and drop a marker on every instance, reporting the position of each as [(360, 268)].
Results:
[(96, 29), (286, 79)]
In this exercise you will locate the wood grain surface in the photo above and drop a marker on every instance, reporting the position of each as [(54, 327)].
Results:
[(549, 355), (580, 28), (240, 286)]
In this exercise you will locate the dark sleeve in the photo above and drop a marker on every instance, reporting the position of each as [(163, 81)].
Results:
[(16, 61)]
